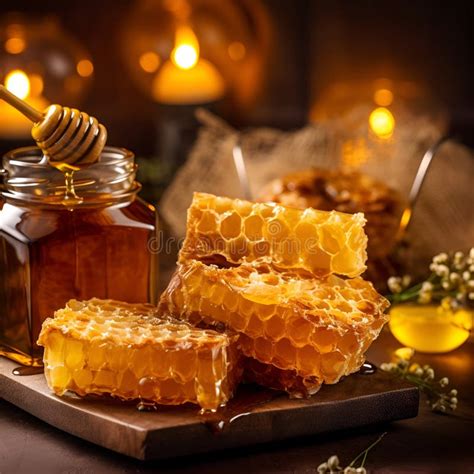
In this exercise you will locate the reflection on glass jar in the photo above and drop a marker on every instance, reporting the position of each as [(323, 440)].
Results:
[(53, 249), (430, 328)]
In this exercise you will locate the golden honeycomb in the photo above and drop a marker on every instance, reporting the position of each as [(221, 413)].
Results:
[(231, 231), (319, 328), (131, 352)]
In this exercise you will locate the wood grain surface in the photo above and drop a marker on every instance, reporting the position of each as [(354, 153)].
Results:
[(358, 400)]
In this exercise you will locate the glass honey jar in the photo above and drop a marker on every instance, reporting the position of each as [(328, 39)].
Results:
[(87, 236)]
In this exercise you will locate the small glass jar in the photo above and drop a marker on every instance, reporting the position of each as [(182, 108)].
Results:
[(55, 245), (430, 328)]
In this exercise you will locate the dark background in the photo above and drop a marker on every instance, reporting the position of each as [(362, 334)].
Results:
[(315, 44)]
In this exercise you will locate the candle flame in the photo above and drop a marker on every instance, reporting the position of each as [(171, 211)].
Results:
[(382, 122), (18, 83), (185, 54)]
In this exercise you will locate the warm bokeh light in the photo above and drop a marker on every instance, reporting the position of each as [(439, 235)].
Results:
[(185, 54), (149, 61), (382, 122), (383, 97), (36, 85), (355, 152), (85, 68), (15, 45), (236, 51), (18, 83), (404, 221)]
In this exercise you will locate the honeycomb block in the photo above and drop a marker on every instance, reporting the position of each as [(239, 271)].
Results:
[(128, 351), (318, 328), (232, 231)]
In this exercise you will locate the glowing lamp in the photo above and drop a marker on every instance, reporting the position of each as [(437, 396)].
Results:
[(186, 78), (40, 63), (188, 52)]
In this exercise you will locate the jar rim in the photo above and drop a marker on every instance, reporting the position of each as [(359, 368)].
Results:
[(28, 177), (13, 155)]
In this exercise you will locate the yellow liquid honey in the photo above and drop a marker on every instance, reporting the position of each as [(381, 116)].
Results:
[(430, 328), (52, 253)]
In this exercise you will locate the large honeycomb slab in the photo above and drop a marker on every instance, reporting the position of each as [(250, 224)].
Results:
[(127, 351), (232, 231), (319, 328)]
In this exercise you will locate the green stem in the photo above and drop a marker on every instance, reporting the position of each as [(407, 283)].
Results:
[(411, 292), (363, 459), (366, 451), (428, 387)]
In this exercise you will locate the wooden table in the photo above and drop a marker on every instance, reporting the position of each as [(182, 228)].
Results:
[(430, 443)]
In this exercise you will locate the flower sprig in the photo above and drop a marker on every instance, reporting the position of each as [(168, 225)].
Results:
[(450, 283), (333, 466), (438, 397)]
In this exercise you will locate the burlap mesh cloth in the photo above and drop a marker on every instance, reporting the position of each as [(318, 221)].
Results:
[(443, 218)]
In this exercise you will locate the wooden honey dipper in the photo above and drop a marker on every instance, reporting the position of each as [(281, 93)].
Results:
[(68, 137)]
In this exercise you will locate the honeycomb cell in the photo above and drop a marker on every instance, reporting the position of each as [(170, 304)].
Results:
[(207, 223), (82, 377), (318, 242), (137, 353), (253, 227), (96, 355), (279, 317), (128, 382), (231, 226)]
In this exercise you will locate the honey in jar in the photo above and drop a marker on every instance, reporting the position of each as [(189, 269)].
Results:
[(88, 239)]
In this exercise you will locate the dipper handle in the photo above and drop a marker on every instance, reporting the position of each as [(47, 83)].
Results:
[(20, 105)]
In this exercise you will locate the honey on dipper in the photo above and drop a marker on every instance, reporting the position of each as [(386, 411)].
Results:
[(68, 138), (62, 238)]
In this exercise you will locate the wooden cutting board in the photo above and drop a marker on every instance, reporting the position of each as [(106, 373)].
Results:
[(260, 415)]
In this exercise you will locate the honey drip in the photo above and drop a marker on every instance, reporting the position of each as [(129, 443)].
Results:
[(143, 405), (367, 369), (21, 371), (247, 398), (70, 196)]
